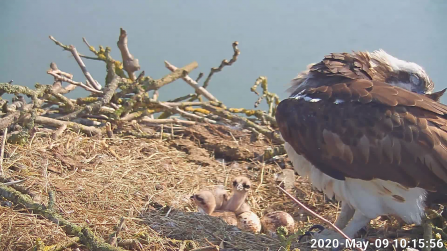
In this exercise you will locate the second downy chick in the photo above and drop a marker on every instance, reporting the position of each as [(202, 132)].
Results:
[(247, 220), (241, 186), (206, 203)]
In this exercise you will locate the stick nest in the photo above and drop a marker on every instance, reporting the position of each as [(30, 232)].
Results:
[(115, 170)]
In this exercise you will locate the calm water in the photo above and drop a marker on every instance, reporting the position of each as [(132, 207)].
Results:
[(277, 39)]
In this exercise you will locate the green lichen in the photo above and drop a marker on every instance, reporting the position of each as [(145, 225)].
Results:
[(119, 69), (119, 111), (20, 138), (148, 83), (39, 245), (86, 100), (102, 50), (16, 89), (286, 239), (30, 125)]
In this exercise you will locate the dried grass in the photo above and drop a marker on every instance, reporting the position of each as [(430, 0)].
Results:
[(147, 181)]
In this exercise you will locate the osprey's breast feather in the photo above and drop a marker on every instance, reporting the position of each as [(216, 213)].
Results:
[(365, 129)]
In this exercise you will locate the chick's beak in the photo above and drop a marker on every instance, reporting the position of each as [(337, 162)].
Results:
[(239, 187)]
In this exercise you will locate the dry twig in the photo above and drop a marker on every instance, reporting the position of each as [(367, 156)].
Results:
[(67, 48), (192, 83), (114, 237), (65, 79), (81, 64), (2, 151), (89, 130), (223, 64)]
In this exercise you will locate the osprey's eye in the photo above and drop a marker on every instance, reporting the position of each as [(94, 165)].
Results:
[(414, 79)]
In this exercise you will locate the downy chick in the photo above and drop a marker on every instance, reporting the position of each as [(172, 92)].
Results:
[(247, 220), (237, 204), (221, 196), (206, 203)]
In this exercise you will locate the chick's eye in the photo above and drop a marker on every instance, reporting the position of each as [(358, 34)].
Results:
[(234, 183), (414, 79), (246, 186)]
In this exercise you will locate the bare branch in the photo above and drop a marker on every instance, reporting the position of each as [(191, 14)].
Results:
[(56, 70), (10, 183), (67, 48), (2, 151), (223, 64), (183, 104), (57, 133), (58, 123), (83, 68), (130, 64), (187, 114), (199, 77), (271, 98), (246, 122), (179, 99), (176, 74), (9, 119), (167, 121), (18, 104), (57, 85), (49, 89), (62, 78), (192, 83), (110, 90)]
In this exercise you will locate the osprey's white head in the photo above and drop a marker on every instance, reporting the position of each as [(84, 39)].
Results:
[(408, 75), (380, 66)]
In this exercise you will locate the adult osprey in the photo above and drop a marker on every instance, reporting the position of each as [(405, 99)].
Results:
[(365, 128)]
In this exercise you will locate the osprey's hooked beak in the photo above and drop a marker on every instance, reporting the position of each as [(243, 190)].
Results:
[(428, 89)]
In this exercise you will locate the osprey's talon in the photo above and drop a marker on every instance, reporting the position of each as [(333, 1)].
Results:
[(307, 233), (319, 227)]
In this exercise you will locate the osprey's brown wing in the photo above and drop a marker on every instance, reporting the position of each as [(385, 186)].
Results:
[(367, 129)]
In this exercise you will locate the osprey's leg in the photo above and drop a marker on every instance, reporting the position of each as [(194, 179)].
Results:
[(357, 222), (346, 214)]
